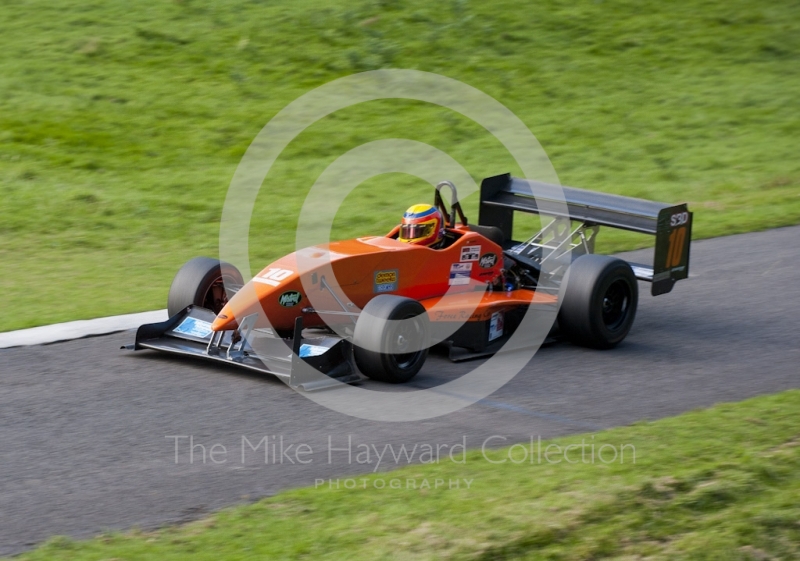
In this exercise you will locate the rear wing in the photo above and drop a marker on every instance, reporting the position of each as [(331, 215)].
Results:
[(670, 224)]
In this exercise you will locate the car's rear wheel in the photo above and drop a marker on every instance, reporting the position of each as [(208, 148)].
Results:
[(599, 301), (202, 282), (391, 339)]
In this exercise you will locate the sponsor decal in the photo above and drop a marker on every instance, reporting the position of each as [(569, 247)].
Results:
[(459, 273), (488, 260), (496, 326), (462, 315), (307, 351), (470, 253), (386, 281), (194, 328), (290, 298)]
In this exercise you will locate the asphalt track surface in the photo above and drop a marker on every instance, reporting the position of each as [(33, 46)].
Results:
[(83, 425)]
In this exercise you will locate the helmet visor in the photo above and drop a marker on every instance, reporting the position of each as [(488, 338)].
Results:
[(416, 231)]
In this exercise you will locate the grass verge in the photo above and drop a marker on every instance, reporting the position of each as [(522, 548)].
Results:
[(721, 483), (121, 126)]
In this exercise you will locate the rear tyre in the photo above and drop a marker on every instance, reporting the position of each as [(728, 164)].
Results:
[(599, 302), (201, 282), (391, 351)]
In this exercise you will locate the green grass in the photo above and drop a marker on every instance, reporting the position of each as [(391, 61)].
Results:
[(121, 124), (721, 483)]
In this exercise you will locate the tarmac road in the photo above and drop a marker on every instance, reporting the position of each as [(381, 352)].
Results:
[(83, 424)]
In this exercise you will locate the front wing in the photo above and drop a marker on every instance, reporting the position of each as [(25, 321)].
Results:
[(308, 363)]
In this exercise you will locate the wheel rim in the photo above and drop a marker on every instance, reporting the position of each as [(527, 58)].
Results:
[(407, 335), (616, 303)]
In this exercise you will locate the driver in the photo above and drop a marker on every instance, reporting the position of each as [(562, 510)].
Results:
[(422, 225)]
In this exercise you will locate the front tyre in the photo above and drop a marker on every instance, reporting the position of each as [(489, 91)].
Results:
[(599, 302), (389, 350), (201, 282)]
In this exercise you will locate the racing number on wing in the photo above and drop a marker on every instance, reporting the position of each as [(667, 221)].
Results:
[(675, 252)]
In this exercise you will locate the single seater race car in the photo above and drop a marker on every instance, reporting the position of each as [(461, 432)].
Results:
[(315, 315)]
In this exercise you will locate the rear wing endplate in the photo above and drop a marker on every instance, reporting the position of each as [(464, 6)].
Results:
[(670, 224)]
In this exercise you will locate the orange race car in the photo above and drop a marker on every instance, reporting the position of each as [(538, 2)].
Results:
[(378, 303)]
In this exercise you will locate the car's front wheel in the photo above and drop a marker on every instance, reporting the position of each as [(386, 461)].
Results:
[(391, 339), (202, 282)]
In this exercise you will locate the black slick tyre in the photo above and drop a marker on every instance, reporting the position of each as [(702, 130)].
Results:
[(201, 282), (599, 301), (388, 350)]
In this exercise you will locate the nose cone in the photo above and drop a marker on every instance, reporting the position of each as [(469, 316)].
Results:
[(242, 304), (274, 296), (247, 301), (225, 320)]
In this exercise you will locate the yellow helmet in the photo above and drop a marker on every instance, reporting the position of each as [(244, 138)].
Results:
[(422, 225)]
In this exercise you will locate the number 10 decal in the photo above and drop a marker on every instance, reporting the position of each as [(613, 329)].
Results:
[(273, 276), (675, 251)]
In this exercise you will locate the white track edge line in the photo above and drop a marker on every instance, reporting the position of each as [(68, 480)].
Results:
[(78, 329)]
